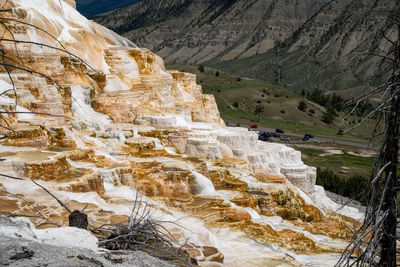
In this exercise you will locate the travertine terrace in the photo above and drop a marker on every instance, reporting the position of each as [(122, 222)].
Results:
[(125, 122)]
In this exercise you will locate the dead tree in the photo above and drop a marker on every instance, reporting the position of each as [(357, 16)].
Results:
[(259, 109), (142, 232), (374, 242)]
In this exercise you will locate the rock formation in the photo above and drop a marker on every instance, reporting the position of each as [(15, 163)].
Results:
[(123, 122)]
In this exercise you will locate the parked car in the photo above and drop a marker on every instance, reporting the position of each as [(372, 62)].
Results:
[(309, 136), (255, 126), (306, 138), (279, 130), (285, 139), (263, 136)]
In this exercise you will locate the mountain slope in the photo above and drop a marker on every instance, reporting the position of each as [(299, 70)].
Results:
[(265, 39)]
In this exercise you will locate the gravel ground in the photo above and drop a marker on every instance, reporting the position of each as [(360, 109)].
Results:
[(16, 250), (343, 200)]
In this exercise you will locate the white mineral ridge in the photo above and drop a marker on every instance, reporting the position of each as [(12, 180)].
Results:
[(68, 25), (324, 202), (61, 237)]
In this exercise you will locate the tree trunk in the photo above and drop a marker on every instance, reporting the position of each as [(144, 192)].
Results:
[(78, 219), (391, 150), (388, 241)]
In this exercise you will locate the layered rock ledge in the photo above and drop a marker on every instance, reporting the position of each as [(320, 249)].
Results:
[(125, 125)]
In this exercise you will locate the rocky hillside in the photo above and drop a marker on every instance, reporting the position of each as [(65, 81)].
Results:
[(99, 121), (296, 44)]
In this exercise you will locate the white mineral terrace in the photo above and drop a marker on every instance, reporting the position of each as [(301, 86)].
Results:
[(123, 104)]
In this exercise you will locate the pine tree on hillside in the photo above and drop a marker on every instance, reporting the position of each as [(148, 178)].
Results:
[(302, 106)]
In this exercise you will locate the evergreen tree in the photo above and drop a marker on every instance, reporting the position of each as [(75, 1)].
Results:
[(302, 106), (201, 68)]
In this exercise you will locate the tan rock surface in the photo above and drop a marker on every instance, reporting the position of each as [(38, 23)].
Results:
[(124, 124)]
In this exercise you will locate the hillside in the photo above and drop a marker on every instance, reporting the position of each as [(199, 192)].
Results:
[(296, 44), (238, 97)]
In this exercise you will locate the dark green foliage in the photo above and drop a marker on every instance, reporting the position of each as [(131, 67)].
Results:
[(258, 101), (352, 187), (302, 106), (283, 112), (217, 74), (201, 68), (259, 109), (235, 105), (239, 79), (312, 111), (329, 116), (334, 101), (364, 108), (317, 96), (303, 93)]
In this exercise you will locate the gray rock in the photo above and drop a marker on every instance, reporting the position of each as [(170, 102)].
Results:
[(19, 246), (24, 252)]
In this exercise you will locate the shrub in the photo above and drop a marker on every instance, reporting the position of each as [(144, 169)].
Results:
[(283, 198), (302, 105), (239, 79), (354, 187), (312, 111), (235, 105), (217, 74), (329, 116), (201, 68), (283, 112)]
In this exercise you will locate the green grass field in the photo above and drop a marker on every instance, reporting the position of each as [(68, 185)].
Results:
[(346, 163), (237, 98)]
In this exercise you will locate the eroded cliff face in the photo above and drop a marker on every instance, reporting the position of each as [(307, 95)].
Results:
[(123, 123), (298, 44)]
